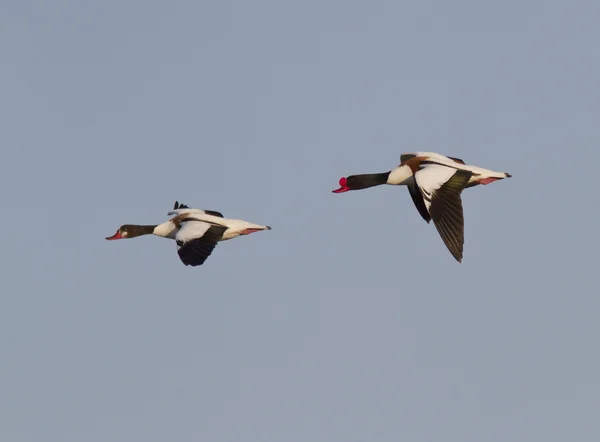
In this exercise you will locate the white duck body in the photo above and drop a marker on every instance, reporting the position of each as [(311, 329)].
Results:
[(235, 227), (480, 175), (169, 229)]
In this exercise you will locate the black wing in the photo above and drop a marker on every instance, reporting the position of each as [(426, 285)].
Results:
[(447, 212), (458, 160), (179, 206), (417, 198), (195, 251), (208, 212), (214, 213)]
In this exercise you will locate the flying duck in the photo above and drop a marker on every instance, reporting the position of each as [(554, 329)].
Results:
[(435, 183), (195, 231)]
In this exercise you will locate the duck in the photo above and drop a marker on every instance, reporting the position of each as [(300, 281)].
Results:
[(435, 183), (196, 231)]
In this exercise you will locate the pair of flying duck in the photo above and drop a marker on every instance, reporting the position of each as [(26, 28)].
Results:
[(434, 182)]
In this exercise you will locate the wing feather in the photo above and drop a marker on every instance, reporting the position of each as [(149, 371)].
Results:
[(196, 240), (417, 198), (198, 211), (445, 185)]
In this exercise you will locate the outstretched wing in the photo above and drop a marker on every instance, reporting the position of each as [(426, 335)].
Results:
[(441, 187), (179, 209), (417, 198), (196, 240), (432, 156)]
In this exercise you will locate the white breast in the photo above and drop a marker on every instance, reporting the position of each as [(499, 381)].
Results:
[(166, 230), (399, 175)]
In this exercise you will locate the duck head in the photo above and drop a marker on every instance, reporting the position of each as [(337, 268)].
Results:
[(358, 182), (131, 231)]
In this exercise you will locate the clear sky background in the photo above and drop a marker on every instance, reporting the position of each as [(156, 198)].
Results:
[(349, 321)]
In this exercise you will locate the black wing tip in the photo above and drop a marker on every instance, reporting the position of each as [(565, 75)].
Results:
[(454, 249), (214, 213), (191, 259), (458, 160), (192, 263), (178, 205)]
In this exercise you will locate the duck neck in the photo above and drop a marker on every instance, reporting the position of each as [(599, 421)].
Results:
[(140, 230), (371, 179)]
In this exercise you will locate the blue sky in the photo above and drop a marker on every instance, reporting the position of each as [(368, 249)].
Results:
[(349, 321)]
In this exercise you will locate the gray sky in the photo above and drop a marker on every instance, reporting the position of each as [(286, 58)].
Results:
[(349, 321)]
